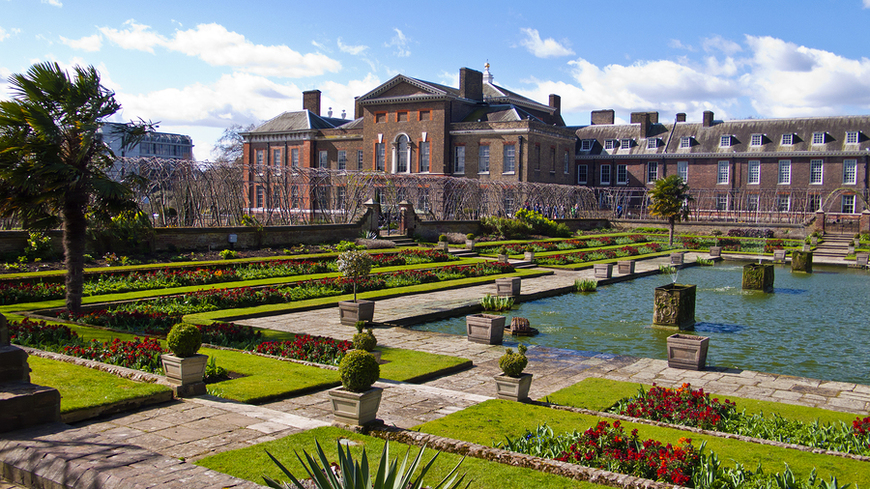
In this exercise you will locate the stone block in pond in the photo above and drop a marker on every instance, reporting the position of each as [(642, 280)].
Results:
[(675, 306), (802, 261), (758, 277)]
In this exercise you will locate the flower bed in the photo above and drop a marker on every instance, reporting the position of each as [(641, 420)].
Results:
[(39, 334), (683, 406), (315, 349), (140, 354), (589, 256), (569, 244), (229, 334)]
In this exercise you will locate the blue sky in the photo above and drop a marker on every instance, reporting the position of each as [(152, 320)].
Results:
[(197, 67)]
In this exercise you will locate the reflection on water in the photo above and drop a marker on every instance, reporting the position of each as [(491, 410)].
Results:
[(813, 325)]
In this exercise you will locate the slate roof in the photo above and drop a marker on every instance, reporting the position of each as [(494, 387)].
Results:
[(500, 113), (298, 121)]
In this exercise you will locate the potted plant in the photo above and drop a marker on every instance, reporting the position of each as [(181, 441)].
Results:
[(365, 340), (513, 384), (529, 253), (687, 351), (485, 328), (185, 368), (442, 242), (502, 254), (355, 265), (356, 402), (469, 241)]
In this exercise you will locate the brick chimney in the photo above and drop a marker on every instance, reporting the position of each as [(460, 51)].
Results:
[(470, 84), (642, 119), (681, 117), (708, 118), (556, 103), (311, 101), (605, 116)]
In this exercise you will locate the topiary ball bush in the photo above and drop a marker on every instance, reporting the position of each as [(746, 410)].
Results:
[(512, 364), (469, 236), (358, 370), (184, 340), (442, 237), (365, 340)]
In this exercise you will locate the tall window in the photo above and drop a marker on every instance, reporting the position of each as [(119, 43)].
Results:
[(582, 174), (783, 202), (754, 174), (323, 159), (483, 159), (723, 175), (552, 160), (683, 170), (816, 171), (276, 158), (605, 174), (621, 174), (652, 171), (850, 172), (752, 202), (722, 202), (359, 159), (814, 202), (510, 158), (294, 158), (380, 160), (294, 196), (567, 164), (402, 150), (459, 159), (848, 204), (342, 160), (784, 172), (260, 163), (424, 157), (261, 196), (340, 195), (538, 157)]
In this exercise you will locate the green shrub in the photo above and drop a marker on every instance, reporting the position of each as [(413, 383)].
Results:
[(358, 370), (585, 285), (38, 246), (512, 364), (502, 226), (442, 237), (496, 303), (343, 246), (469, 236), (229, 254), (184, 340), (364, 340)]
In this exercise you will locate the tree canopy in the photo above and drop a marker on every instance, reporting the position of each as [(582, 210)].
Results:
[(669, 199)]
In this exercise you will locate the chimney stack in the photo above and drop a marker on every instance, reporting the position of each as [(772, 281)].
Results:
[(471, 84), (681, 117), (708, 118), (556, 103), (606, 116), (644, 119), (311, 101)]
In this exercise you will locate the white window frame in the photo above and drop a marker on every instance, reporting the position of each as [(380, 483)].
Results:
[(727, 201), (850, 172), (683, 170), (788, 139), (323, 159), (625, 143), (611, 144), (359, 159), (459, 159), (723, 172), (851, 203), (783, 175), (725, 141), (294, 158), (817, 172), (260, 158), (276, 159), (380, 156), (604, 175), (652, 171), (622, 174), (752, 201), (753, 172), (586, 144), (780, 201), (756, 140), (483, 159), (852, 137), (567, 163), (424, 157), (814, 197), (342, 159), (509, 153), (820, 137), (652, 143), (686, 142), (582, 174)]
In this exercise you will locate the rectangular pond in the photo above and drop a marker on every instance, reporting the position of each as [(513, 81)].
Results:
[(812, 325)]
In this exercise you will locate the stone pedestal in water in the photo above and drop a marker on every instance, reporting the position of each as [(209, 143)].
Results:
[(675, 306), (758, 277)]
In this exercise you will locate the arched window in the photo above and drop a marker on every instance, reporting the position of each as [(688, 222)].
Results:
[(403, 154)]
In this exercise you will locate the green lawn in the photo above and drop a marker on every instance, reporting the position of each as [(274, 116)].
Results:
[(252, 463), (491, 421), (82, 387)]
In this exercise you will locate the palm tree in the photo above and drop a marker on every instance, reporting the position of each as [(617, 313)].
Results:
[(53, 160), (670, 197)]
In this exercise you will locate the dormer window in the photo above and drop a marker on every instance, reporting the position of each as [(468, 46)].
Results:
[(725, 141), (686, 142), (820, 137), (610, 144), (756, 140), (787, 139), (586, 144), (652, 143), (625, 143), (852, 137)]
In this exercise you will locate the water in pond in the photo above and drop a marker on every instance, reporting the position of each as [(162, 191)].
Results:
[(813, 325)]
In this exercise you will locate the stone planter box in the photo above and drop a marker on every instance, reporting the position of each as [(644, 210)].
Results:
[(513, 388), (779, 255), (185, 374), (814, 240), (469, 244), (802, 261), (758, 277), (508, 287), (603, 270), (715, 251), (502, 258), (485, 328), (529, 256), (687, 351), (675, 306), (625, 267), (355, 408), (808, 247), (850, 250), (677, 258), (443, 245), (861, 259), (350, 312)]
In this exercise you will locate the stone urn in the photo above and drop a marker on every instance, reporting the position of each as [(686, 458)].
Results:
[(758, 276), (675, 306), (513, 388), (687, 351), (352, 311), (443, 245), (802, 261), (186, 374), (508, 286), (355, 408), (485, 328), (715, 251), (603, 270), (625, 267), (469, 244)]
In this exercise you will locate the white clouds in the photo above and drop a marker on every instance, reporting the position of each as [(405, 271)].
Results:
[(354, 50), (88, 43), (866, 3), (217, 46), (54, 3), (546, 48), (5, 35), (718, 43), (340, 96), (400, 42), (677, 44)]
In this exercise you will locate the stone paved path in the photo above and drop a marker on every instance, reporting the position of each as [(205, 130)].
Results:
[(151, 447)]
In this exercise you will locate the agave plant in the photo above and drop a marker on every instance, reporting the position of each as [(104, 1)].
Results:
[(351, 474)]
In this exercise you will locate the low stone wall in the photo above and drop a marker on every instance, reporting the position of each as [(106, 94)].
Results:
[(795, 231)]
